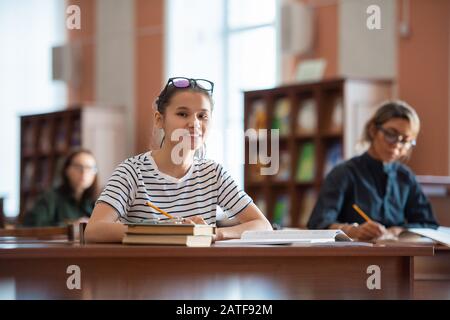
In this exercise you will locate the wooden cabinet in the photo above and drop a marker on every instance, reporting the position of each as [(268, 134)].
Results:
[(319, 125), (47, 138)]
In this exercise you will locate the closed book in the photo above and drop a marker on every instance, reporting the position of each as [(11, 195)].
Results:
[(177, 240), (171, 229)]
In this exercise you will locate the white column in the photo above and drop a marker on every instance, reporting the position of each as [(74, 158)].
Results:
[(115, 60)]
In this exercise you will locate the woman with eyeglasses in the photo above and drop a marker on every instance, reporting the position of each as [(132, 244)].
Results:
[(377, 182), (73, 200), (176, 178)]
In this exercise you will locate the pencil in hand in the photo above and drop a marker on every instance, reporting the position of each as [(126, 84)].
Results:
[(361, 213)]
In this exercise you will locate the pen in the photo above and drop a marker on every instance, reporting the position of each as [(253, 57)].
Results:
[(361, 213), (159, 210)]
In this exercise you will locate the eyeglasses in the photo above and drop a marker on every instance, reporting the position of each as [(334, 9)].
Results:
[(181, 82), (81, 168), (393, 137)]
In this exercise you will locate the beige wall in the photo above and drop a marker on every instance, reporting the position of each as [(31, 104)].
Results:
[(325, 41), (149, 67), (423, 81), (85, 38), (422, 72), (107, 63)]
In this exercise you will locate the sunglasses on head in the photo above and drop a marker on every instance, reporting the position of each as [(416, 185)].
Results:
[(181, 82)]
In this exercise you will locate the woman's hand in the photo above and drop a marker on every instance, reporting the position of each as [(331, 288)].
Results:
[(367, 231), (395, 231)]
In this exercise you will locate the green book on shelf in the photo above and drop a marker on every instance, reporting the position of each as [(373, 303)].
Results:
[(281, 211), (306, 163), (281, 117)]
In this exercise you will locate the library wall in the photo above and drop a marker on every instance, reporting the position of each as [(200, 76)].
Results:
[(149, 68), (84, 91), (422, 72), (325, 41), (146, 60), (423, 81)]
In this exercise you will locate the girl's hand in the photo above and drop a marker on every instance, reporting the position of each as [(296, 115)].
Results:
[(195, 220), (199, 220)]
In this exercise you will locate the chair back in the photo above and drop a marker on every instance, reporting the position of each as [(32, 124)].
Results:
[(40, 233)]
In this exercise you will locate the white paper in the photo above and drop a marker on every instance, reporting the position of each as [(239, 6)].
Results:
[(441, 235), (297, 234)]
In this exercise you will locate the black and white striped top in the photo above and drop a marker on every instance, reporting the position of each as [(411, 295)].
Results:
[(205, 186)]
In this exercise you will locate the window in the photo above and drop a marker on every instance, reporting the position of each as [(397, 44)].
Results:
[(226, 41), (28, 30)]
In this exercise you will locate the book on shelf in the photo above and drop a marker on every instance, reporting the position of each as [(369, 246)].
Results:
[(337, 116), (43, 174), (281, 216), (307, 203), (284, 169), (61, 137), (75, 139), (28, 175), (29, 203), (169, 228), (45, 141), (28, 138), (287, 236), (258, 115), (281, 116), (168, 239), (306, 163), (307, 117), (332, 158)]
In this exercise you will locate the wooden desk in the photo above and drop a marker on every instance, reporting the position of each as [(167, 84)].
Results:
[(38, 271), (437, 189), (432, 275)]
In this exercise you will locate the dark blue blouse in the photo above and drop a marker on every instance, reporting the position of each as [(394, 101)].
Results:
[(387, 193)]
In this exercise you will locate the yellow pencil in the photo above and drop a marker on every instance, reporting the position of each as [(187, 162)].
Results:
[(159, 210), (361, 213)]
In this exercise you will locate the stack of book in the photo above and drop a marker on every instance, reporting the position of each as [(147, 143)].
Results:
[(190, 235)]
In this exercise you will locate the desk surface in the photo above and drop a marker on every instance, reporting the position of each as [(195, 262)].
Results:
[(38, 270), (62, 249)]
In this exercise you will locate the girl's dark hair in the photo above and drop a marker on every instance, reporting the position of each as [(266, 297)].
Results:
[(170, 90), (88, 194)]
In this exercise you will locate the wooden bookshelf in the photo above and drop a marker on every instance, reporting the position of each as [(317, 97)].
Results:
[(322, 121), (47, 138)]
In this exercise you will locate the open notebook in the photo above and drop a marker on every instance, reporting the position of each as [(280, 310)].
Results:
[(419, 236), (440, 235), (290, 236)]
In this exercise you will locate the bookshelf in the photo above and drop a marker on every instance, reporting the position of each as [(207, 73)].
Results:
[(320, 124), (47, 138)]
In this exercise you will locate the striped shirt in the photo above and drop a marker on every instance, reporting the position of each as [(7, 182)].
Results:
[(204, 187)]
